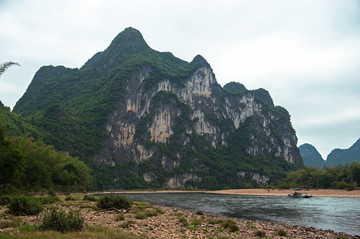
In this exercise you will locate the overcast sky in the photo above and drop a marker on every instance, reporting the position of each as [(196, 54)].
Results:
[(306, 53)]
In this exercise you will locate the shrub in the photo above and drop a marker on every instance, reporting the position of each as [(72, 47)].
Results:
[(70, 198), (4, 200), (114, 201), (127, 224), (120, 217), (199, 212), (90, 198), (58, 220), (183, 221), (52, 193), (22, 205), (230, 224), (260, 233), (214, 221), (140, 215), (281, 232), (10, 222), (153, 212), (48, 199)]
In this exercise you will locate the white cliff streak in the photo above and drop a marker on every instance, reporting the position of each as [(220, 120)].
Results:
[(160, 130)]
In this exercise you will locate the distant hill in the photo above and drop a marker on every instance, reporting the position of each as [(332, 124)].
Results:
[(311, 156), (343, 156)]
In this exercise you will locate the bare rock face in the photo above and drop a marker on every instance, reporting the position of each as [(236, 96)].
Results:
[(153, 120), (148, 121)]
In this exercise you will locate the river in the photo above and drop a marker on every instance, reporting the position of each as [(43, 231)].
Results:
[(338, 214)]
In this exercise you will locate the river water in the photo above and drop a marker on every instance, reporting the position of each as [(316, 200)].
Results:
[(338, 214)]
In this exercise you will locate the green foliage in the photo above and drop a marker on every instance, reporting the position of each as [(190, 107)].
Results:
[(69, 108), (6, 65), (234, 88), (23, 205), (58, 220), (120, 217), (16, 125), (70, 198), (12, 163), (4, 199), (214, 221), (10, 222), (127, 224), (281, 232), (90, 198), (140, 215), (195, 223), (339, 177), (199, 212), (230, 225), (31, 165), (114, 201), (260, 233), (48, 199)]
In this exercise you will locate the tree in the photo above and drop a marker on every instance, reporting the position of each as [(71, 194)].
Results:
[(4, 66), (11, 163)]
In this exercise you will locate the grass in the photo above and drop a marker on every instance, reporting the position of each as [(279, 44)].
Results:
[(214, 221), (12, 221), (199, 212), (91, 232), (281, 232), (260, 233), (127, 224), (120, 217), (58, 220), (230, 225)]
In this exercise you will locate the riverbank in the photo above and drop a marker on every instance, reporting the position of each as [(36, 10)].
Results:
[(144, 220), (263, 192), (284, 192)]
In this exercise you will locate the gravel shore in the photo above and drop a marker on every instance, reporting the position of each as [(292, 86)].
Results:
[(150, 221), (180, 223)]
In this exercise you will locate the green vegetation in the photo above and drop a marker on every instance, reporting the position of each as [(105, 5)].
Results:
[(120, 217), (6, 65), (90, 231), (114, 201), (33, 166), (230, 225), (339, 177), (90, 198), (281, 232), (69, 108), (58, 220), (234, 88), (199, 212), (260, 233), (23, 205)]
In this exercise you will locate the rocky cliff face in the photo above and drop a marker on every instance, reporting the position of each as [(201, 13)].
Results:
[(171, 124)]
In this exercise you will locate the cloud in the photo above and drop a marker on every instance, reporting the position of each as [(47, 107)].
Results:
[(305, 53)]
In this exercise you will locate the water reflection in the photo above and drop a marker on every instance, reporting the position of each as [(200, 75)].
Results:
[(338, 214)]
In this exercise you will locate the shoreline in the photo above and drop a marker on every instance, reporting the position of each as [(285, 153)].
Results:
[(179, 223), (260, 192)]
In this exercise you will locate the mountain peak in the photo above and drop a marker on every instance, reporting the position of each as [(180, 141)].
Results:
[(130, 39), (311, 156), (199, 59)]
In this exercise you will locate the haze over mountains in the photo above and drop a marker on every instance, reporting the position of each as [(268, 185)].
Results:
[(312, 157)]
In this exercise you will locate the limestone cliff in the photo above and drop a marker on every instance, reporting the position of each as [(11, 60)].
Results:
[(163, 122)]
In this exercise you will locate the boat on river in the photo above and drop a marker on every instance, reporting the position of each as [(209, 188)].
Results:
[(298, 195)]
